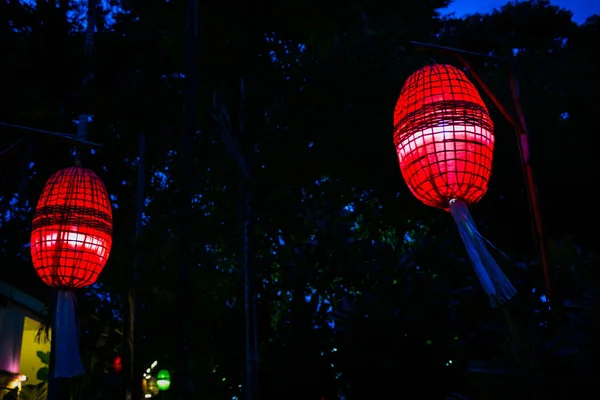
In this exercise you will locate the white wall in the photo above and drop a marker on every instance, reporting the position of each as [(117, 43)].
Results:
[(11, 334)]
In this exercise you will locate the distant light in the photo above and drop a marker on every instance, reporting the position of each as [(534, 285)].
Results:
[(154, 364), (147, 395), (164, 379), (15, 383), (23, 378), (118, 364)]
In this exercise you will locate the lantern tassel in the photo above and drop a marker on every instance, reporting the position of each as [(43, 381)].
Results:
[(67, 361), (497, 286)]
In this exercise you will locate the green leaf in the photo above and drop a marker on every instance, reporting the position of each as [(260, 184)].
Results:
[(43, 374), (44, 357)]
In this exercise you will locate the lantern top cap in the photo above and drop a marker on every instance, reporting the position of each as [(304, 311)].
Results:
[(437, 85)]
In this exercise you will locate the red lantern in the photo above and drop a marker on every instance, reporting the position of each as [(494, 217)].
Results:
[(444, 139), (118, 364), (72, 227), (70, 243)]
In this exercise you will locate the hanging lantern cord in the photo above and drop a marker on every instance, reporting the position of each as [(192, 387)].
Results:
[(82, 131), (62, 136)]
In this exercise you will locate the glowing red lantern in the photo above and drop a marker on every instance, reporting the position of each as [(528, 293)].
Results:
[(71, 235), (70, 244), (118, 364), (444, 139)]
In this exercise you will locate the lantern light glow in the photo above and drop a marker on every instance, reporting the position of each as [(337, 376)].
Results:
[(163, 379), (443, 137), (71, 235)]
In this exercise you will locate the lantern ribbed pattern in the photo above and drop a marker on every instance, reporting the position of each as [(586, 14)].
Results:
[(443, 136), (71, 236)]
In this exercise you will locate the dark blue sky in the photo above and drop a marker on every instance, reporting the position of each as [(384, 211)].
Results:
[(581, 8)]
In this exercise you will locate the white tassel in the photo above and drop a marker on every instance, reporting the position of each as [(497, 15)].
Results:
[(67, 363), (494, 282)]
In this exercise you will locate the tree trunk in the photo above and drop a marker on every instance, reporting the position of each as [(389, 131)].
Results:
[(131, 381), (181, 377), (244, 151), (135, 370), (251, 337)]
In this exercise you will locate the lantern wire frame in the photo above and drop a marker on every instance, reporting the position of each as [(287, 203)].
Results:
[(71, 235), (443, 136)]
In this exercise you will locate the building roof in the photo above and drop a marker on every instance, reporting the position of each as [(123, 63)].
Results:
[(20, 299)]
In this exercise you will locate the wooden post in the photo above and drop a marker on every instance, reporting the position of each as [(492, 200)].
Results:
[(534, 199)]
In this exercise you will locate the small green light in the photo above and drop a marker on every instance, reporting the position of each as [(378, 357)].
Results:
[(163, 380), (429, 342)]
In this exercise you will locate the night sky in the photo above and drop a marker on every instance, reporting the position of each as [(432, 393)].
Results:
[(581, 8)]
